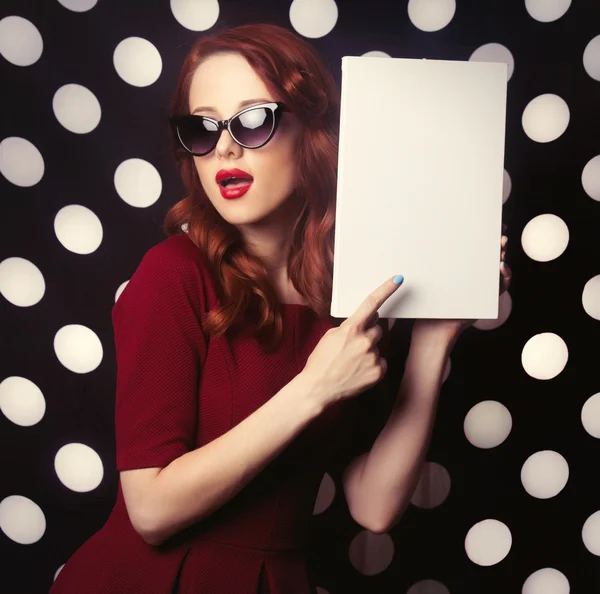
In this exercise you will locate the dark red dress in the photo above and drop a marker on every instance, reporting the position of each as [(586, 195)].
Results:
[(177, 390)]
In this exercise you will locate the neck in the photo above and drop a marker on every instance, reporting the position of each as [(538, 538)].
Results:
[(272, 248)]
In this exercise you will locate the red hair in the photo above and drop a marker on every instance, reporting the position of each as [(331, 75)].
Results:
[(295, 74)]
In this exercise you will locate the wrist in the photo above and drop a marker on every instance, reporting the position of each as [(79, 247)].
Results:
[(425, 365), (312, 395), (435, 345)]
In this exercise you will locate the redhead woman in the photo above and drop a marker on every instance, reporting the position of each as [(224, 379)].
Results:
[(235, 388)]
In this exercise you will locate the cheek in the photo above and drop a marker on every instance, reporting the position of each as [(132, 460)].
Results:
[(199, 167), (289, 136), (285, 155), (203, 175), (280, 172)]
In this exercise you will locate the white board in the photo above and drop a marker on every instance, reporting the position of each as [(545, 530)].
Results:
[(420, 174)]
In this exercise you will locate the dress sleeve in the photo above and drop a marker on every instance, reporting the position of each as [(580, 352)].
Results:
[(160, 350)]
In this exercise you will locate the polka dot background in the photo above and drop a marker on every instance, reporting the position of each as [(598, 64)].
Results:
[(508, 498)]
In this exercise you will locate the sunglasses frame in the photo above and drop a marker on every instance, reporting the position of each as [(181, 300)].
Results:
[(277, 107)]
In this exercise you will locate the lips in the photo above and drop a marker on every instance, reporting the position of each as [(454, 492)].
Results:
[(233, 183), (232, 177)]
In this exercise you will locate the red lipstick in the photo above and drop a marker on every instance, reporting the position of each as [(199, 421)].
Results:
[(233, 183)]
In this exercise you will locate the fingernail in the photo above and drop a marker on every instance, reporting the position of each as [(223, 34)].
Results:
[(398, 279)]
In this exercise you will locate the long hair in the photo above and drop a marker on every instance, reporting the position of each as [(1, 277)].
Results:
[(295, 74)]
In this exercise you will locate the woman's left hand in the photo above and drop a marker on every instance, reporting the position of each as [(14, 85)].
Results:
[(451, 329)]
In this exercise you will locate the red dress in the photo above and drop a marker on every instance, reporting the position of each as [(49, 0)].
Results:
[(177, 390)]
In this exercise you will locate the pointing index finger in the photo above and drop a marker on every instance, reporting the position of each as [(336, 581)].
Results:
[(375, 300)]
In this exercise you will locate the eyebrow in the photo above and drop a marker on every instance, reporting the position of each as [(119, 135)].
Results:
[(240, 106)]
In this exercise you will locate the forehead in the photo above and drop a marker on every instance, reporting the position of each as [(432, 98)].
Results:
[(223, 81)]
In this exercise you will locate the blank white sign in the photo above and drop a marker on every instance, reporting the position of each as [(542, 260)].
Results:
[(420, 173)]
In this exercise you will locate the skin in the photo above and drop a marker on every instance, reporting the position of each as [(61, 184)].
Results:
[(377, 485), (264, 215)]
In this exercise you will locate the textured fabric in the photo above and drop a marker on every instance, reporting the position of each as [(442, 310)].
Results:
[(178, 390)]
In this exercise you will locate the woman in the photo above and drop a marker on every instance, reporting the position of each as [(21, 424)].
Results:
[(235, 388)]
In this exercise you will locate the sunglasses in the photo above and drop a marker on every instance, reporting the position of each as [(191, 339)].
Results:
[(251, 128)]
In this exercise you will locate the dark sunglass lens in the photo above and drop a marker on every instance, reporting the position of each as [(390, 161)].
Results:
[(198, 134), (253, 127)]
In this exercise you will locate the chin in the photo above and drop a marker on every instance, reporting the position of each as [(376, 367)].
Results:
[(243, 220), (236, 212)]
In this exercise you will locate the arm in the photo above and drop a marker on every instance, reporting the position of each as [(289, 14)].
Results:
[(378, 485), (162, 502), (168, 482)]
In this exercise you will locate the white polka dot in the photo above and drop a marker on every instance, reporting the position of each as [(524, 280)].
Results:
[(20, 162), (504, 310), (79, 5), (545, 118), (58, 571), (546, 581), (544, 356), (76, 108), (21, 282), (120, 290), (325, 496), (20, 41), (376, 54), (313, 18), (431, 15), (195, 15), (590, 178), (591, 58), (590, 415), (371, 553), (433, 486), (487, 424), (138, 182), (591, 533), (545, 237), (21, 519), (590, 298), (78, 348), (428, 587), (506, 186), (488, 542), (545, 474), (78, 229), (494, 52), (21, 401), (546, 11), (78, 467), (137, 62)]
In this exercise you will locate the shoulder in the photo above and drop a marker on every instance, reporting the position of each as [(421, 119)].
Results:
[(172, 268), (177, 253)]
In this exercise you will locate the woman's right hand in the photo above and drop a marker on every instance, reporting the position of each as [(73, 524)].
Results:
[(346, 360)]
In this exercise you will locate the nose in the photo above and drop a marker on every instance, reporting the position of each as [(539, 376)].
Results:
[(226, 144)]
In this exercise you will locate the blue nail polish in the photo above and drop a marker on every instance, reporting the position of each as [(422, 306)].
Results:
[(398, 279)]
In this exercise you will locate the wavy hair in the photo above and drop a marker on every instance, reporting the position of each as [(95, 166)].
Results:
[(294, 73)]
